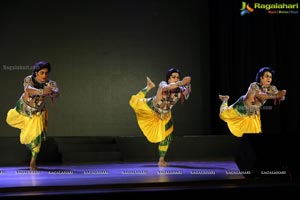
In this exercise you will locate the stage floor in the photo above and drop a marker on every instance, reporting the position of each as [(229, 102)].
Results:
[(130, 178)]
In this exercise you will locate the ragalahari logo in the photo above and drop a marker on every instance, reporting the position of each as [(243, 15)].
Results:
[(246, 9)]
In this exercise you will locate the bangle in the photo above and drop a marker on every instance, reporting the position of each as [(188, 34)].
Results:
[(41, 91), (179, 83)]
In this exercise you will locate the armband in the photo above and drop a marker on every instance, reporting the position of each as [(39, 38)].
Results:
[(272, 96)]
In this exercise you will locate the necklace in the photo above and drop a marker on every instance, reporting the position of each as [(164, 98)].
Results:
[(264, 88), (37, 84)]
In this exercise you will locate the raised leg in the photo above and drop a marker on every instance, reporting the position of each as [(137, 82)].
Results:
[(223, 97)]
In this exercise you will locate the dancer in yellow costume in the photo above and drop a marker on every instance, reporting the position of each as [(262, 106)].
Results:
[(243, 116), (30, 114), (154, 115)]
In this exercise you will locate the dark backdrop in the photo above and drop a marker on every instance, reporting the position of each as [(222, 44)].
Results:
[(101, 52), (241, 45)]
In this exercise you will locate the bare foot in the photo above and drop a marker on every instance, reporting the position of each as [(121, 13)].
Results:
[(162, 162), (223, 97), (150, 84), (33, 164)]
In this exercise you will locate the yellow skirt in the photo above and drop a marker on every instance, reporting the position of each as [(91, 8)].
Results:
[(239, 124), (153, 127), (31, 128)]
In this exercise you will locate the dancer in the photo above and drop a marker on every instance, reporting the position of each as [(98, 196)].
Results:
[(154, 115), (243, 116), (30, 114)]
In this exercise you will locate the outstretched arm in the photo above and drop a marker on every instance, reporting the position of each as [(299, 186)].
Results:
[(279, 94), (54, 92), (50, 89), (185, 81)]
